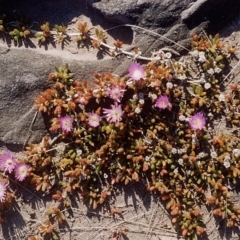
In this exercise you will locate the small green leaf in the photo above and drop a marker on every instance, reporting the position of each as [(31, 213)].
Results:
[(198, 90), (54, 236)]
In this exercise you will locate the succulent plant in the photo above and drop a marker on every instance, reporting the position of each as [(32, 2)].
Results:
[(151, 126)]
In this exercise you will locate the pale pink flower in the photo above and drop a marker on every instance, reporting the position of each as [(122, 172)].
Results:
[(94, 119), (3, 190), (136, 71), (21, 171), (162, 102), (114, 114), (66, 123), (116, 93), (197, 121), (7, 162), (82, 100)]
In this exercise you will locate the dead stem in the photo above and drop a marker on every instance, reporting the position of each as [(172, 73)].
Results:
[(30, 129), (233, 69), (149, 31)]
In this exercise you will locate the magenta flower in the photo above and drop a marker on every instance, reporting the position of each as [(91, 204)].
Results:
[(197, 121), (116, 93), (136, 71), (94, 119), (21, 171), (66, 123), (3, 190), (162, 102), (7, 162), (114, 114)]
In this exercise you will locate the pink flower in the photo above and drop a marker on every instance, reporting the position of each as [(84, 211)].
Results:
[(3, 189), (114, 114), (162, 102), (66, 123), (21, 171), (197, 121), (116, 93), (94, 119), (7, 162), (82, 100), (136, 71)]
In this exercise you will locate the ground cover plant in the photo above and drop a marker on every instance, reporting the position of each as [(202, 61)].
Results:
[(155, 125)]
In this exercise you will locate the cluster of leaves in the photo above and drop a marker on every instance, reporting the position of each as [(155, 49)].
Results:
[(20, 28), (188, 166), (17, 26)]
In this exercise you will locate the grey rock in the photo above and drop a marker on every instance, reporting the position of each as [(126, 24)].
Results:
[(25, 75), (186, 14), (147, 13), (175, 19)]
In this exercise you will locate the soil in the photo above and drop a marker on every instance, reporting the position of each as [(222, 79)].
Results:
[(143, 215)]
